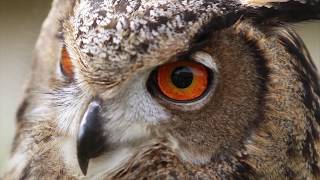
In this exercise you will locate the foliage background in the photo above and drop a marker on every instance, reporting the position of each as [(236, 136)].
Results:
[(20, 22)]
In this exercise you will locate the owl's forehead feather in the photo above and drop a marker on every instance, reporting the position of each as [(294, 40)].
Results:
[(106, 28), (120, 36)]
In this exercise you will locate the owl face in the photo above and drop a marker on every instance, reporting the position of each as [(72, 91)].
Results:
[(128, 74), (125, 74)]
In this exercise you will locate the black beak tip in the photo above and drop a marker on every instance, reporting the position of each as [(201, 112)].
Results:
[(83, 163)]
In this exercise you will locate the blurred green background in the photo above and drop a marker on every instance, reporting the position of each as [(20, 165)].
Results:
[(20, 22)]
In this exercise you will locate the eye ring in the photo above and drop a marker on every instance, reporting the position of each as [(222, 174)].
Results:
[(202, 86)]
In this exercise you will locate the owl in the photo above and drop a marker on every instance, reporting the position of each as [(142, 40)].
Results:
[(170, 89)]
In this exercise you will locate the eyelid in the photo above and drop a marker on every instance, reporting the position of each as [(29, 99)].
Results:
[(205, 59)]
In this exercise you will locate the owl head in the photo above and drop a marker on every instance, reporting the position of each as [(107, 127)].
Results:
[(218, 82)]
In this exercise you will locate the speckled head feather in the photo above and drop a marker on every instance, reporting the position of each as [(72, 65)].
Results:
[(121, 36), (124, 35)]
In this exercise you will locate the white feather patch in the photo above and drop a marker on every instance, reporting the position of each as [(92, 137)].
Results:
[(260, 3)]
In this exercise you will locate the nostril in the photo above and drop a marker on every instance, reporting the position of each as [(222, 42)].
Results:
[(91, 137)]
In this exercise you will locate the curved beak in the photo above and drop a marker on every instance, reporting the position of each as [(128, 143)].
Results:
[(91, 137)]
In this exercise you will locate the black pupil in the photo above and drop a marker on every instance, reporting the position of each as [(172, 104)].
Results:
[(182, 77)]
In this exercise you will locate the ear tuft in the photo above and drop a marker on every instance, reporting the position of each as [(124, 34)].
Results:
[(283, 10)]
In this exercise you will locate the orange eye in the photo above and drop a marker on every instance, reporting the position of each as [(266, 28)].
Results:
[(66, 64), (183, 80)]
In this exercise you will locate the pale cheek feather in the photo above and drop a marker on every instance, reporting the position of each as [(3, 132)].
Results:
[(109, 162), (69, 154), (69, 118), (188, 156), (132, 111), (127, 117), (41, 110), (139, 105), (40, 113), (70, 111)]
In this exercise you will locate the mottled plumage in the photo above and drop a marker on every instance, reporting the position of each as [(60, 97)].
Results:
[(259, 117)]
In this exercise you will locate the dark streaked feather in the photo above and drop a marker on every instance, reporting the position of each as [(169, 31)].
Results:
[(297, 48), (309, 77)]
